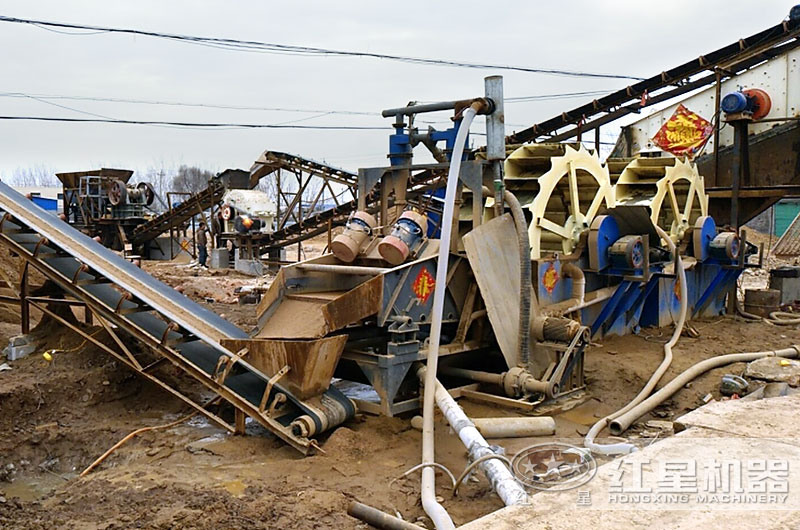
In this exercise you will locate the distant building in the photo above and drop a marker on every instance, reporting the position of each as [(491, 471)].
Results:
[(49, 198)]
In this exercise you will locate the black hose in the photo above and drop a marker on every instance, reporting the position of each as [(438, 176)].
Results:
[(524, 278)]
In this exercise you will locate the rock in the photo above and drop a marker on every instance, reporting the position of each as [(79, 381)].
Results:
[(775, 389), (775, 369), (661, 425)]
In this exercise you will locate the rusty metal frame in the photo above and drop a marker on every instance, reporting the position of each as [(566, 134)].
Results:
[(732, 58), (155, 344), (137, 368)]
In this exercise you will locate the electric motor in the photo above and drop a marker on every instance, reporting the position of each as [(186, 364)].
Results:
[(407, 235), (725, 246), (357, 231), (627, 252)]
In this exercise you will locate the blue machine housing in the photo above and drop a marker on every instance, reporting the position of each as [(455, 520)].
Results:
[(647, 295)]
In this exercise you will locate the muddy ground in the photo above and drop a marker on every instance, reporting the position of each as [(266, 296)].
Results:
[(57, 417)]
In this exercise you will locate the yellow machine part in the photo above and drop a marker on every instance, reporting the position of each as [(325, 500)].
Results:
[(563, 187), (671, 188)]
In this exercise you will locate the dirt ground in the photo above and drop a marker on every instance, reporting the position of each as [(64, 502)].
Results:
[(57, 417)]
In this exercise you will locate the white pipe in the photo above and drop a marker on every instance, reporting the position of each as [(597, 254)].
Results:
[(500, 477), (441, 519), (514, 427), (624, 447), (624, 421)]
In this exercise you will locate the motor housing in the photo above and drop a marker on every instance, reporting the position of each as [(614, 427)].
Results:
[(407, 235)]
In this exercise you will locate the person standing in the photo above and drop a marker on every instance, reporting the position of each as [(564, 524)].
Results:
[(217, 223), (202, 245)]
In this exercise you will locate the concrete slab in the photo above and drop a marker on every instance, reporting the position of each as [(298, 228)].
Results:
[(736, 464)]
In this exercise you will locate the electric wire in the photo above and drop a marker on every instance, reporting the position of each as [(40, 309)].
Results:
[(519, 99), (199, 125), (288, 49)]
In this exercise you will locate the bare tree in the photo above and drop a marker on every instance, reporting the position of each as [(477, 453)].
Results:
[(191, 179), (38, 175)]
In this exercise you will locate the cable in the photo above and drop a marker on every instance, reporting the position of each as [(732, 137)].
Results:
[(201, 125), (131, 435), (265, 47), (422, 466), (470, 467), (548, 97), (519, 99), (184, 104)]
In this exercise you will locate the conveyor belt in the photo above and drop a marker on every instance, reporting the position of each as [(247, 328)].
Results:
[(127, 299), (180, 214)]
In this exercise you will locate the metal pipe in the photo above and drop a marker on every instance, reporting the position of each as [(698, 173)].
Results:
[(474, 375), (418, 109), (342, 269), (503, 482), (480, 105), (441, 519), (378, 519), (570, 270), (495, 122), (621, 423), (515, 382), (624, 447)]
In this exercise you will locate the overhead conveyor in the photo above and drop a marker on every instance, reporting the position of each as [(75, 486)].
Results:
[(181, 213), (128, 302)]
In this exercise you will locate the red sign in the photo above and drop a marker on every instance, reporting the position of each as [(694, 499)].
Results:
[(423, 285), (550, 278), (685, 133)]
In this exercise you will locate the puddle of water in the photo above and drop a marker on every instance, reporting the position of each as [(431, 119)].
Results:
[(31, 488), (355, 390), (199, 421), (234, 487), (211, 439)]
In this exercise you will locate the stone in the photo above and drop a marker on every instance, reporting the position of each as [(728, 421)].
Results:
[(775, 369), (19, 347)]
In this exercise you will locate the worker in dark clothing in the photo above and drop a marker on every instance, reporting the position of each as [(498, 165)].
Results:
[(216, 229), (202, 245)]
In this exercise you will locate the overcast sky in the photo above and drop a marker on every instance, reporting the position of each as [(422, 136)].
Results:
[(630, 37)]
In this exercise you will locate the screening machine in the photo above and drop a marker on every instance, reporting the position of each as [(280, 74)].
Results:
[(572, 254)]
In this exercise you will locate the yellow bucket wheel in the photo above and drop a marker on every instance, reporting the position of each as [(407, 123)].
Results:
[(568, 195), (672, 189)]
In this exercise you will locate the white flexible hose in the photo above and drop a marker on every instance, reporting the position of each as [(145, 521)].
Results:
[(441, 519), (625, 447), (620, 423)]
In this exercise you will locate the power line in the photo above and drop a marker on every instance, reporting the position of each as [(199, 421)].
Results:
[(549, 97), (201, 125), (45, 98), (265, 47), (184, 104)]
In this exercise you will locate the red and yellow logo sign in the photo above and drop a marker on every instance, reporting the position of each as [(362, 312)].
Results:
[(423, 285), (685, 133), (550, 278)]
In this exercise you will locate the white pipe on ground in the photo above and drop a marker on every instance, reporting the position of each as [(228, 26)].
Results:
[(503, 482), (621, 423), (513, 427), (441, 519), (624, 447)]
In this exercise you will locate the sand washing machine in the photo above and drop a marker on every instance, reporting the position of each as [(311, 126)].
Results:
[(361, 314)]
